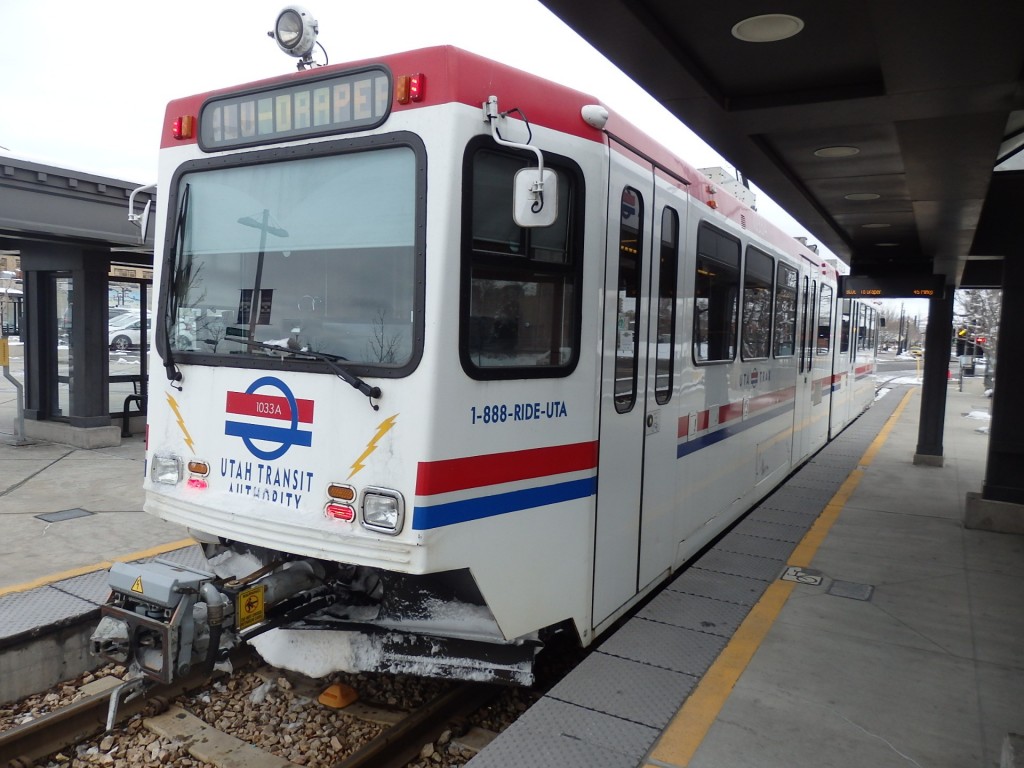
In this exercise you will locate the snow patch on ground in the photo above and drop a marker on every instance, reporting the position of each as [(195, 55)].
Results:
[(980, 415)]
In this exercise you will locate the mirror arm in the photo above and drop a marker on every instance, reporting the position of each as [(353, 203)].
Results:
[(491, 114)]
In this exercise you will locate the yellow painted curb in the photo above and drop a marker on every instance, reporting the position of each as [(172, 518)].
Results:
[(43, 581)]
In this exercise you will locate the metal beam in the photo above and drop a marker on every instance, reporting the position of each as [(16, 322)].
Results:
[(42, 202)]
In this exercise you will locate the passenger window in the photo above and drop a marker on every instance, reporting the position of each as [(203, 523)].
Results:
[(785, 311), (520, 304), (668, 270), (844, 328), (810, 312), (866, 329), (824, 341), (717, 296), (627, 346), (756, 331)]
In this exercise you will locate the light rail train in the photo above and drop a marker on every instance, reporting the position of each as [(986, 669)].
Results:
[(474, 360)]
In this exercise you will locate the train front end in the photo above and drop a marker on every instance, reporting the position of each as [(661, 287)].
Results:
[(290, 395)]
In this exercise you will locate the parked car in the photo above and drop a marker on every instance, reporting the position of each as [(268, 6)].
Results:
[(64, 323), (125, 331)]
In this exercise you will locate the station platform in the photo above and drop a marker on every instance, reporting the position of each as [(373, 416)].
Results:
[(849, 620)]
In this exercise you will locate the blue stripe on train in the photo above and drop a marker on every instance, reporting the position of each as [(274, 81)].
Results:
[(692, 446), (436, 516)]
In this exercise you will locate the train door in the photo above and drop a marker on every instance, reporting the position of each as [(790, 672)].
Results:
[(624, 383), (842, 372), (824, 355), (804, 368), (658, 519), (819, 331)]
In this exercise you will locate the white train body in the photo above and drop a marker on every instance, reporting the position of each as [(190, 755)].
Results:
[(564, 419)]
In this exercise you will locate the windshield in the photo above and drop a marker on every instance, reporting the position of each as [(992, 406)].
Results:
[(314, 255)]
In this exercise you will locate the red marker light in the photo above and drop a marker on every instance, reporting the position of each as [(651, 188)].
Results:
[(198, 483), (410, 88), (417, 84), (183, 127), (340, 512)]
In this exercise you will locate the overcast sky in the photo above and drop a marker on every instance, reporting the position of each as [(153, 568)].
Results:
[(84, 83)]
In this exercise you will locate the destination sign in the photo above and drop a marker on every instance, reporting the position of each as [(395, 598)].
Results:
[(351, 101), (892, 287)]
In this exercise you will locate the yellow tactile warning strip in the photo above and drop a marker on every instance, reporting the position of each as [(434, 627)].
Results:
[(685, 733), (52, 578)]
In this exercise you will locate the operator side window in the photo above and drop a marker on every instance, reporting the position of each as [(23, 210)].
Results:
[(716, 308), (756, 331), (520, 287)]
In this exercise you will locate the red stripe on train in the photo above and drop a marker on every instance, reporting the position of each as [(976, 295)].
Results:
[(476, 471)]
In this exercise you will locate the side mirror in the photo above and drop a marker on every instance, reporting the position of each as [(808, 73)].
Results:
[(144, 224), (882, 319), (535, 197)]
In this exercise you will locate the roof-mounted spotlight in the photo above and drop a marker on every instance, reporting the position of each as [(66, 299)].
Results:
[(295, 32)]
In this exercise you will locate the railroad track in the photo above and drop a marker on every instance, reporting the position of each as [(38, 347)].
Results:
[(24, 745)]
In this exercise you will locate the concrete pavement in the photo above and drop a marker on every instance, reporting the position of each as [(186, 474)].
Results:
[(97, 495), (917, 658)]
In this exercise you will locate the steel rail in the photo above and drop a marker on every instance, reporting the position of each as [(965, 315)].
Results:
[(23, 745), (399, 745)]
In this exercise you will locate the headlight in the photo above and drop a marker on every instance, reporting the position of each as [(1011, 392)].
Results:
[(382, 510), (295, 31), (166, 470)]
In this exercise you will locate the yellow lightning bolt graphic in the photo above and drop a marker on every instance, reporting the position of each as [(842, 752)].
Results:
[(181, 422), (382, 429)]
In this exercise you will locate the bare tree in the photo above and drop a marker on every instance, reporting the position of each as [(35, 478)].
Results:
[(383, 347)]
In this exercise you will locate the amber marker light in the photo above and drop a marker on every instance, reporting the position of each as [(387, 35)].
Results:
[(341, 492)]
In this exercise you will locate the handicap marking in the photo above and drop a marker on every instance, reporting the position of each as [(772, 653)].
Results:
[(802, 575)]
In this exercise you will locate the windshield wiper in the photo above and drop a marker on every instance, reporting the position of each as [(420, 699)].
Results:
[(371, 392)]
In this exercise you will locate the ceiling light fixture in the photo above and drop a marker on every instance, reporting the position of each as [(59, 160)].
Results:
[(875, 225), (839, 151), (862, 196), (768, 28)]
